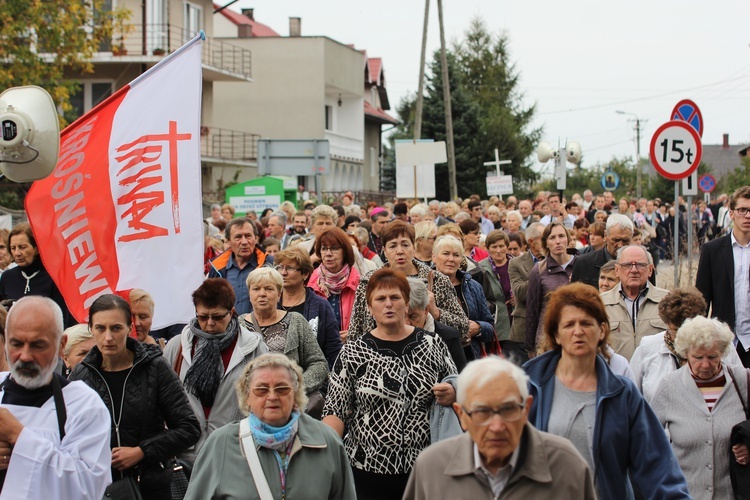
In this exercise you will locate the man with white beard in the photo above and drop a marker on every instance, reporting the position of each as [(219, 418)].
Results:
[(54, 434)]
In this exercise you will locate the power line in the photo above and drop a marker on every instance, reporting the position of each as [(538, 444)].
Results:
[(628, 101)]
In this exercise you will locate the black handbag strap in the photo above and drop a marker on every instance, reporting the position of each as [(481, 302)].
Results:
[(62, 415), (739, 393)]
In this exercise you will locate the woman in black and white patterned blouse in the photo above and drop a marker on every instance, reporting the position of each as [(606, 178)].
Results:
[(398, 246), (381, 389)]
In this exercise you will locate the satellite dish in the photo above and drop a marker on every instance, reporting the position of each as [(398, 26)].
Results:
[(29, 134), (574, 152), (544, 152)]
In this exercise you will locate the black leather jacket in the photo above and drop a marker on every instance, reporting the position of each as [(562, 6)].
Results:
[(153, 396)]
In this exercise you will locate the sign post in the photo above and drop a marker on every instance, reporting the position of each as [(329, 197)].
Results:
[(707, 183), (689, 112), (498, 172), (676, 152), (420, 158)]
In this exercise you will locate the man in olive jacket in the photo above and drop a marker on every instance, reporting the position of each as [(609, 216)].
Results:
[(501, 454)]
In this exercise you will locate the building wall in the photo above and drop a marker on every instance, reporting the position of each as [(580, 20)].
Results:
[(371, 170), (295, 78)]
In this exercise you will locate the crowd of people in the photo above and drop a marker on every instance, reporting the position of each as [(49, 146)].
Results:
[(362, 351)]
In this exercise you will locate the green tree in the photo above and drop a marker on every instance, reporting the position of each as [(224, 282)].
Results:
[(493, 83), (45, 41), (487, 110), (736, 179)]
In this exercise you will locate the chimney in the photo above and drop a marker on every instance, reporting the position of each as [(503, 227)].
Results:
[(244, 31), (295, 26), (248, 13), (725, 142)]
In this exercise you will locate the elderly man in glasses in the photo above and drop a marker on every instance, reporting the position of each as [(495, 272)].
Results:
[(633, 305), (501, 454)]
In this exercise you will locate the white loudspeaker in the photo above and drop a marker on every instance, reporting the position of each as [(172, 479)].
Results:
[(29, 134), (573, 150), (544, 152)]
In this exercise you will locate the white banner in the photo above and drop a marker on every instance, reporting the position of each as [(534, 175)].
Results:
[(122, 209)]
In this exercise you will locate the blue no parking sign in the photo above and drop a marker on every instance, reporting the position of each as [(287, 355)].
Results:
[(687, 111), (707, 183)]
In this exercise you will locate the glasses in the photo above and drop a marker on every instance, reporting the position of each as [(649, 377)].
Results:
[(630, 265), (262, 392), (329, 249), (742, 210), (287, 269), (507, 413), (214, 317), (624, 241)]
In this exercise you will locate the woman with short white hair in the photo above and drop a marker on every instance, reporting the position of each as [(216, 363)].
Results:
[(514, 220), (283, 331), (446, 255), (77, 341), (700, 403), (417, 214), (298, 457)]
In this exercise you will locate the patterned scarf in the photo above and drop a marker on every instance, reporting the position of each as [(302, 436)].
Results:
[(670, 345), (333, 283), (204, 375), (274, 438)]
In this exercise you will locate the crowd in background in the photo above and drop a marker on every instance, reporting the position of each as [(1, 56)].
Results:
[(341, 330)]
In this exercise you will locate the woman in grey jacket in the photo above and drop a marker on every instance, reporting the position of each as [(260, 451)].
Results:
[(209, 356), (284, 332), (299, 457), (700, 403)]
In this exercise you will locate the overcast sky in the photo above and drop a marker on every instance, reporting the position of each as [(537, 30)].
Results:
[(579, 60)]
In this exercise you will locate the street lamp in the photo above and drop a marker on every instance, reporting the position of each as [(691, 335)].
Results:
[(637, 152)]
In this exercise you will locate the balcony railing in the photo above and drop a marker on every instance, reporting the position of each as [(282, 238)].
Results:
[(229, 144), (161, 39)]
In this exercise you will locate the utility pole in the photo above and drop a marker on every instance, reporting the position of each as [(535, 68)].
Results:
[(638, 168), (447, 101), (420, 92)]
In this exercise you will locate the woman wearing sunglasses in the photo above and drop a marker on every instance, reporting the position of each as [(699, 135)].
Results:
[(209, 356), (295, 455)]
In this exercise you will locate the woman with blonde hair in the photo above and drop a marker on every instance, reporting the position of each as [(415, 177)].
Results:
[(283, 331), (77, 341), (425, 233)]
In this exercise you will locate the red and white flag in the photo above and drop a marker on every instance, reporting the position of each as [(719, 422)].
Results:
[(122, 209)]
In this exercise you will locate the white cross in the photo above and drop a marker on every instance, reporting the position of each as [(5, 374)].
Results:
[(497, 163)]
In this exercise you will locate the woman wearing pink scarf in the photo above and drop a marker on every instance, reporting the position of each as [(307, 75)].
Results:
[(336, 279)]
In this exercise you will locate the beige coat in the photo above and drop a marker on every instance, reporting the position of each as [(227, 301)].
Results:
[(622, 338), (548, 467), (518, 271)]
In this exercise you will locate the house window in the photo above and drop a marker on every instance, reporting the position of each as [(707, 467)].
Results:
[(89, 95), (193, 20), (329, 117), (157, 25)]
